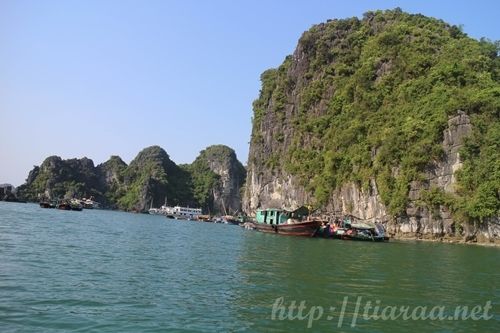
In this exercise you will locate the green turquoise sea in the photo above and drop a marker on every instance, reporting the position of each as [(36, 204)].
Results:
[(106, 271)]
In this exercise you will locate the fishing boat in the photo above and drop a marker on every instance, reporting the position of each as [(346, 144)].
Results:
[(204, 218), (292, 223), (64, 205), (350, 229), (73, 204)]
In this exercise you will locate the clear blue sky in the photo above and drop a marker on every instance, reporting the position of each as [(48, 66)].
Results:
[(100, 78)]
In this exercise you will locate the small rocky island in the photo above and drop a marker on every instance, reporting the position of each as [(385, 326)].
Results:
[(393, 117), (8, 192)]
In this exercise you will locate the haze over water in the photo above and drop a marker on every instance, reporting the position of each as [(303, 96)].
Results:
[(104, 271)]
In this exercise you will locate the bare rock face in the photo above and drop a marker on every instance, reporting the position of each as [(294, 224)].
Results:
[(364, 204), (264, 192), (111, 171), (419, 221), (230, 174), (442, 175), (110, 174)]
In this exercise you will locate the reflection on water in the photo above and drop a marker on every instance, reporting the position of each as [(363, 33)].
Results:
[(116, 272)]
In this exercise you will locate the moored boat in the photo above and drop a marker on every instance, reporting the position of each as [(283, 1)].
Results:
[(292, 223), (204, 218), (73, 204), (302, 228), (163, 210), (183, 213), (348, 229), (76, 204), (90, 203), (46, 204), (64, 205), (226, 219)]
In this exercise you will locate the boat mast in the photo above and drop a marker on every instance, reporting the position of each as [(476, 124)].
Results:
[(224, 206)]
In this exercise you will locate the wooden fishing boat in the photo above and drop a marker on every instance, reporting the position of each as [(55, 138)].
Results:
[(69, 205), (362, 235), (64, 206), (306, 228), (347, 229), (282, 222), (204, 218)]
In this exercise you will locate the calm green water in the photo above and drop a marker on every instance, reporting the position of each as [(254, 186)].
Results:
[(102, 271)]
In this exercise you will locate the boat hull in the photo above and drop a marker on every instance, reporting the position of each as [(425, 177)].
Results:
[(364, 239), (307, 228)]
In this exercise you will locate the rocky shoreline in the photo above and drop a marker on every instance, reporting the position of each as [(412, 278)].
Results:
[(448, 240)]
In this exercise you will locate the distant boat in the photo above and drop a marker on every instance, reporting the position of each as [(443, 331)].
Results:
[(229, 219), (163, 210), (205, 218), (46, 204), (184, 213), (90, 203), (73, 204), (293, 223), (64, 205)]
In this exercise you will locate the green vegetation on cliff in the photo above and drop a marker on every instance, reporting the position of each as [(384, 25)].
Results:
[(61, 178), (203, 181), (152, 175), (372, 102)]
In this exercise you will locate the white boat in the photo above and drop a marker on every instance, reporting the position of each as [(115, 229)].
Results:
[(163, 210), (184, 213), (89, 203)]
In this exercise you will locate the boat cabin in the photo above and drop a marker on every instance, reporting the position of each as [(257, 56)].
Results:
[(280, 216)]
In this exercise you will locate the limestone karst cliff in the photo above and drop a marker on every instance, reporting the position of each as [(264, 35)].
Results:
[(217, 178), (393, 117)]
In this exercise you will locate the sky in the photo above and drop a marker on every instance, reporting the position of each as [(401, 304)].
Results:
[(101, 78)]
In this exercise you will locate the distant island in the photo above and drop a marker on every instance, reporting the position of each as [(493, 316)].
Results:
[(212, 182)]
